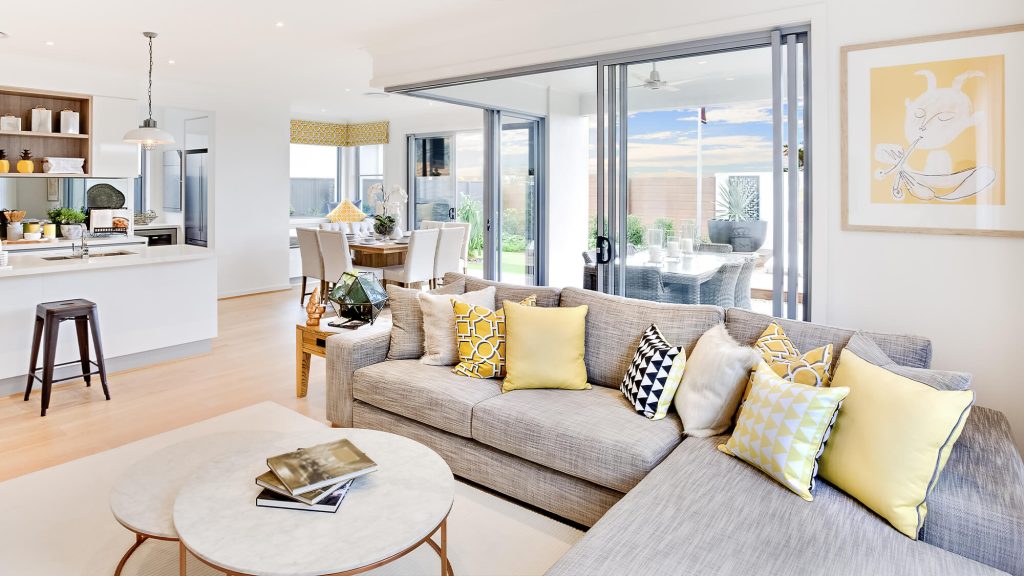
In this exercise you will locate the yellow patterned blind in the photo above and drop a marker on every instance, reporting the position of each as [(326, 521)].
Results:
[(331, 134)]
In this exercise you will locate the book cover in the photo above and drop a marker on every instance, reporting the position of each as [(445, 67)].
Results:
[(270, 499), (271, 482), (320, 466)]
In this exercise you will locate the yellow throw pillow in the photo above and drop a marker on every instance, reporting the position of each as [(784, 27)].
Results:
[(891, 440), (783, 427), (544, 348), (813, 368), (480, 338)]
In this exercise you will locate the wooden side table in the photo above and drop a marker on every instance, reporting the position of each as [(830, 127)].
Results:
[(308, 340)]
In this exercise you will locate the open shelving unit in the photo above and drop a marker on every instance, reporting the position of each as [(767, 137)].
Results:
[(20, 102)]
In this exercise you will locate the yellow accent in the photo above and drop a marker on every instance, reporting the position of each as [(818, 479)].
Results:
[(26, 166), (813, 368), (781, 428), (331, 134), (544, 348), (5, 166), (891, 440), (480, 335), (346, 212)]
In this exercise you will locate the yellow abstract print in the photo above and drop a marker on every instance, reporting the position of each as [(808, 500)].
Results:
[(937, 132)]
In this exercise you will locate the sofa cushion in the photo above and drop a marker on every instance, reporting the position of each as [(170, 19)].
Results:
[(590, 434), (429, 394), (615, 326), (702, 512), (746, 326), (547, 296)]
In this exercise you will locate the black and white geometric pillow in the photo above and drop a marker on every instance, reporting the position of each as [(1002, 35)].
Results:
[(654, 375)]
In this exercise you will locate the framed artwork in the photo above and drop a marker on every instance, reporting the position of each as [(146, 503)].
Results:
[(929, 137)]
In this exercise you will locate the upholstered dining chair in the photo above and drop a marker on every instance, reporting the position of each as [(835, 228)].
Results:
[(337, 257), (312, 263), (449, 253), (430, 224), (467, 228), (419, 260)]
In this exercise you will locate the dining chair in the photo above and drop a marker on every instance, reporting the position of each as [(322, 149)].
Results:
[(713, 247), (419, 260), (430, 224), (312, 262), (449, 253), (742, 298), (337, 257), (645, 283), (721, 289), (467, 228)]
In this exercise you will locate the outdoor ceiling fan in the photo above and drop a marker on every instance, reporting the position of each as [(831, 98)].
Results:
[(653, 81)]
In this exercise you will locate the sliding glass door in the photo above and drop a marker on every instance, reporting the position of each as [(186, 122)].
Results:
[(518, 199), (432, 178)]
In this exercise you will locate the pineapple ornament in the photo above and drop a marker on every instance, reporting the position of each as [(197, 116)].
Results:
[(5, 164), (25, 165)]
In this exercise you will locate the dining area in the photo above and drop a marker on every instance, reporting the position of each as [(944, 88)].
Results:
[(417, 259)]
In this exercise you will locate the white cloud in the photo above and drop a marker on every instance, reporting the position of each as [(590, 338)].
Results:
[(663, 135), (740, 113)]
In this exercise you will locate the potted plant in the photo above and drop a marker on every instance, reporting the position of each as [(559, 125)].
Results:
[(389, 205), (737, 218), (70, 221)]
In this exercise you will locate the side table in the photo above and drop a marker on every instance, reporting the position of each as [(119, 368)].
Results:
[(308, 340)]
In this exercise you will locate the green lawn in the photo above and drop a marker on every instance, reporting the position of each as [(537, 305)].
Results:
[(511, 263)]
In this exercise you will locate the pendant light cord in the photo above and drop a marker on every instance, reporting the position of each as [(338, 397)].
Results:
[(149, 92)]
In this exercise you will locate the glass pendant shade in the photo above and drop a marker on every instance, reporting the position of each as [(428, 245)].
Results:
[(149, 136)]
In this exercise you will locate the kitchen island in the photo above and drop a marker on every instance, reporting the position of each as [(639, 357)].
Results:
[(155, 304)]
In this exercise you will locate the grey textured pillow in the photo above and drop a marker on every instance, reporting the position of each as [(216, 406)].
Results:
[(407, 319), (863, 346)]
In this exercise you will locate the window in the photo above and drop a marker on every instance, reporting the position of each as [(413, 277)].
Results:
[(370, 168), (314, 179)]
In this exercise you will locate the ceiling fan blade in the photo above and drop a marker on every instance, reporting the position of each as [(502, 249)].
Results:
[(669, 89), (684, 81)]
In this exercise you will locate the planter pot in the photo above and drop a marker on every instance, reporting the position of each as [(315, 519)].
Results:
[(743, 236), (71, 231)]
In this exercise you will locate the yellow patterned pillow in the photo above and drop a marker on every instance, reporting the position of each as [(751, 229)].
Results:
[(813, 368), (480, 335), (782, 428)]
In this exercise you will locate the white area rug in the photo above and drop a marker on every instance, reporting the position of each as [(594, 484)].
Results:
[(57, 521)]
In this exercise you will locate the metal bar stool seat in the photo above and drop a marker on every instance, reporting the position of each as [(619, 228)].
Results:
[(49, 316)]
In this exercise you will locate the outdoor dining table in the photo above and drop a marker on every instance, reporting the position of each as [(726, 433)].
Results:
[(687, 272)]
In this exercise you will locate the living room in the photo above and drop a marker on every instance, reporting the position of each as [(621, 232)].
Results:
[(562, 259)]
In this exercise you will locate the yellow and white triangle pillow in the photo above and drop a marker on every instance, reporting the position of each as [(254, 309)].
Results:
[(782, 428), (813, 368)]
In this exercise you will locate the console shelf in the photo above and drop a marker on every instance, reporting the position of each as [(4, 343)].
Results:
[(20, 102)]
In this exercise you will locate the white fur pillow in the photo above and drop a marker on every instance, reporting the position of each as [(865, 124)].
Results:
[(715, 376), (439, 345)]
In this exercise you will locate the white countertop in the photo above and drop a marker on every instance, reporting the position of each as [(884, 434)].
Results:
[(60, 243), (156, 226), (32, 264)]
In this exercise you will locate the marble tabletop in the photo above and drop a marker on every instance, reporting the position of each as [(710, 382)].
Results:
[(384, 513), (143, 499)]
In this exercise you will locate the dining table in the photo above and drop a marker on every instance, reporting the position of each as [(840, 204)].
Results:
[(378, 253), (687, 271)]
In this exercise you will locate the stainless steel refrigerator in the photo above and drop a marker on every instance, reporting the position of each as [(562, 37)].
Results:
[(196, 197)]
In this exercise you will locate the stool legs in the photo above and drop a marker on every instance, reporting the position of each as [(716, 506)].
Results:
[(97, 344), (37, 337), (82, 328), (49, 358)]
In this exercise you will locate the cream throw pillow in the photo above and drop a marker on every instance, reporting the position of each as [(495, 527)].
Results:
[(439, 345), (715, 376)]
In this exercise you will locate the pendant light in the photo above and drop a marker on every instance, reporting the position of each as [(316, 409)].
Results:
[(148, 135)]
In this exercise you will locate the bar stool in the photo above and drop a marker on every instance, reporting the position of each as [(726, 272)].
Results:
[(49, 316)]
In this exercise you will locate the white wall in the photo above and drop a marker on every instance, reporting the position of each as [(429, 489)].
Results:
[(962, 292), (568, 188)]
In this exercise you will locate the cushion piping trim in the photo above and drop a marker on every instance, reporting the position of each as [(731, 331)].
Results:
[(938, 460)]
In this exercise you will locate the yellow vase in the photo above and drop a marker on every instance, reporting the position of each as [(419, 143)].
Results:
[(5, 166), (26, 166)]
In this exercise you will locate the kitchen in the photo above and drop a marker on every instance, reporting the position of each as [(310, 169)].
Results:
[(124, 229)]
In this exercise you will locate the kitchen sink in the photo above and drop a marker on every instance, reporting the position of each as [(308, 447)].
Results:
[(96, 255)]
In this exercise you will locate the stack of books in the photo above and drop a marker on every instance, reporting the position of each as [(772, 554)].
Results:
[(315, 478)]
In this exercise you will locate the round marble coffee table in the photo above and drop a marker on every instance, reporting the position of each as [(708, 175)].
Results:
[(143, 499), (386, 514)]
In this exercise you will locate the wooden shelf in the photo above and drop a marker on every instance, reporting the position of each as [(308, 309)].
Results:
[(29, 133)]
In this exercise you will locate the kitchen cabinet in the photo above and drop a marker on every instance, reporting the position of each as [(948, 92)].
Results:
[(111, 119)]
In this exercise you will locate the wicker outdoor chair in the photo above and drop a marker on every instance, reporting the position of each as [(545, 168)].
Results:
[(644, 283), (742, 298), (712, 247), (721, 289)]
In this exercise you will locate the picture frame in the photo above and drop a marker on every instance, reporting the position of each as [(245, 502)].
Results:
[(928, 134)]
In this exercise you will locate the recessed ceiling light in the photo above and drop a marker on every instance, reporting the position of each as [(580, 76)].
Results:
[(702, 62), (279, 24), (323, 109), (376, 94), (49, 42), (348, 89), (170, 61), (730, 79)]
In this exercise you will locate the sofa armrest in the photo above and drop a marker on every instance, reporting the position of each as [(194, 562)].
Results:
[(977, 507), (346, 353)]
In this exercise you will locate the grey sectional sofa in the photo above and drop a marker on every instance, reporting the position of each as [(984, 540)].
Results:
[(659, 503)]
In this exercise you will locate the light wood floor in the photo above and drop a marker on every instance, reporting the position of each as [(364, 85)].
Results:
[(252, 360)]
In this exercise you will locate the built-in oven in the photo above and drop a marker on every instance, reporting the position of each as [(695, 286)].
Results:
[(160, 236)]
